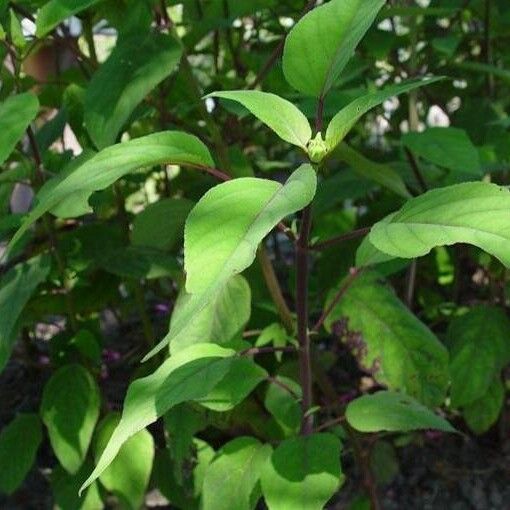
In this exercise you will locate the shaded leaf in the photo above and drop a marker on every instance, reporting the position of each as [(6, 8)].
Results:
[(55, 11), (19, 442), (16, 114), (377, 172), (70, 409), (16, 288), (161, 225), (447, 147), (136, 65), (483, 413), (65, 490), (303, 473), (479, 344), (242, 378)]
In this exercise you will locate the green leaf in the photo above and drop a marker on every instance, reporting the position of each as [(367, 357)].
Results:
[(447, 147), (65, 490), (16, 114), (230, 480), (219, 322), (16, 288), (286, 120), (109, 165), (319, 46), (70, 409), (394, 412), (224, 229), (139, 262), (473, 212), (19, 442), (303, 473), (182, 422), (283, 405), (183, 494), (479, 344), (380, 173), (56, 11), (161, 225), (346, 118), (390, 342), (187, 375), (128, 475), (482, 414), (136, 65), (242, 378)]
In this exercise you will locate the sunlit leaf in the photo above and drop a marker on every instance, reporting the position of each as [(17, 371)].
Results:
[(111, 164), (240, 462), (188, 375), (474, 213), (391, 411), (285, 119), (322, 42)]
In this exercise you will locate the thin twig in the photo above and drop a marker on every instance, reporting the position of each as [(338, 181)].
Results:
[(302, 277), (354, 234), (416, 170), (275, 290)]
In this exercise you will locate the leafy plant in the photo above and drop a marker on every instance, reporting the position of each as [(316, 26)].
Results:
[(247, 246)]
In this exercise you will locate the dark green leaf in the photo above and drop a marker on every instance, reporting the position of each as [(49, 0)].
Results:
[(16, 287), (136, 65), (70, 409), (479, 344), (16, 114), (19, 442), (303, 472), (56, 11), (161, 225), (447, 147)]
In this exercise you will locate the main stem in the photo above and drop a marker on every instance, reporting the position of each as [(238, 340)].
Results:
[(305, 364)]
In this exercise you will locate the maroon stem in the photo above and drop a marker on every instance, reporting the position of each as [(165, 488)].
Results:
[(305, 365)]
